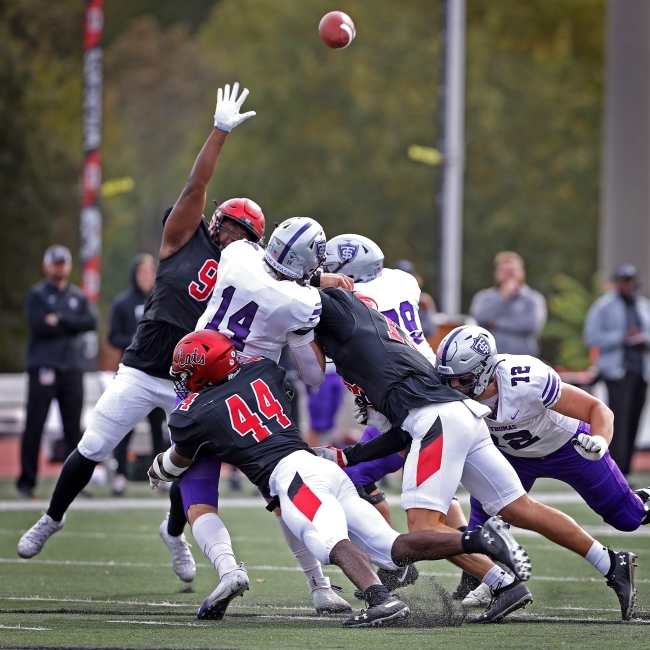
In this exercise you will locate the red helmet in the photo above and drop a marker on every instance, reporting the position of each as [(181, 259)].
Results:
[(201, 359), (245, 212)]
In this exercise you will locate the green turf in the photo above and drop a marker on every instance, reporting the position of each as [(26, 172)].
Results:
[(137, 601)]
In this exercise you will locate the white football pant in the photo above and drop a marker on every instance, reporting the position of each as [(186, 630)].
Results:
[(321, 507), (129, 398), (452, 445)]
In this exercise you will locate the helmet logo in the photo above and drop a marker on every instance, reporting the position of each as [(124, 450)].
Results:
[(347, 252), (321, 245), (190, 359), (481, 345)]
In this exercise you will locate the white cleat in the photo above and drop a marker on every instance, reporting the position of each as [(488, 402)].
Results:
[(32, 542), (326, 601), (480, 597), (233, 584), (182, 560)]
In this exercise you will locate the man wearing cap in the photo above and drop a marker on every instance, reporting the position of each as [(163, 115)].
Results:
[(618, 325), (57, 313)]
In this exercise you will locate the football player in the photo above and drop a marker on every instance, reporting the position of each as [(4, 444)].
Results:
[(396, 294), (545, 428), (239, 414), (262, 301), (402, 395), (189, 255)]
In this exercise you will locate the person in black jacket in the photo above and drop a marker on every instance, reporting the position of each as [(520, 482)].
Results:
[(126, 312), (57, 313)]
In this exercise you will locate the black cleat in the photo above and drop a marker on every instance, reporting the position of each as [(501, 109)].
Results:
[(389, 612), (621, 579), (498, 543), (395, 578), (359, 594), (467, 583), (504, 601)]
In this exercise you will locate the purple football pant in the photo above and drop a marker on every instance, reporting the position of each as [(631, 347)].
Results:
[(324, 402), (200, 483), (373, 470), (599, 482)]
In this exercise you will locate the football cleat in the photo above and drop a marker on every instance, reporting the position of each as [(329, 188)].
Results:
[(394, 579), (467, 583), (389, 612), (478, 597), (32, 542), (504, 601), (325, 600), (182, 560), (621, 579), (328, 602), (499, 544), (644, 496), (233, 584)]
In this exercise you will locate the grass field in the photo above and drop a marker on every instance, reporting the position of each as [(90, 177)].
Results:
[(105, 581)]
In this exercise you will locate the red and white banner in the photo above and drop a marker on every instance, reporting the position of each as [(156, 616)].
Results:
[(91, 177)]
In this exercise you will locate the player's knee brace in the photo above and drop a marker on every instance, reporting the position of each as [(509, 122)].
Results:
[(365, 490)]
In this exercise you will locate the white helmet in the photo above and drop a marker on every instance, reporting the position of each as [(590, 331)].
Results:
[(296, 248), (469, 354), (356, 256)]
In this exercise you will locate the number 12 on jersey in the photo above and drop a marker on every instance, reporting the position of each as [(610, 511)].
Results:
[(244, 421)]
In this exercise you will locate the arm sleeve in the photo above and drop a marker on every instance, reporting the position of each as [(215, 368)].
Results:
[(305, 357), (384, 445), (118, 336)]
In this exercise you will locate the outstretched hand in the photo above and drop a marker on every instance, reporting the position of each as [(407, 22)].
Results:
[(227, 115), (336, 280)]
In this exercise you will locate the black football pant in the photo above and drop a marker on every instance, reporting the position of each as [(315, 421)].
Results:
[(156, 419), (44, 385), (626, 399)]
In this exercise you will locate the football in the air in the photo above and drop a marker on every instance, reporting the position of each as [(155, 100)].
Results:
[(337, 30)]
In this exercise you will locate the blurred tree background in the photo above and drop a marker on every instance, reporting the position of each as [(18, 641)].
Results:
[(330, 138)]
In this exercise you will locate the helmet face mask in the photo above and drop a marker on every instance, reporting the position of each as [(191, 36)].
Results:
[(467, 357), (203, 358), (296, 248), (355, 256)]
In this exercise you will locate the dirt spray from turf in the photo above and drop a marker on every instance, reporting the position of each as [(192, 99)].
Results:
[(431, 605)]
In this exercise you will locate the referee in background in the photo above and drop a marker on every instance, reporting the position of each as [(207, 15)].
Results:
[(57, 313)]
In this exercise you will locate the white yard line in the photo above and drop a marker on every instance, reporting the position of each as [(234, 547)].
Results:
[(226, 502), (166, 623), (21, 627)]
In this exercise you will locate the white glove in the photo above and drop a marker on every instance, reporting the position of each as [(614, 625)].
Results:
[(590, 447), (331, 453), (227, 115), (153, 482), (366, 414)]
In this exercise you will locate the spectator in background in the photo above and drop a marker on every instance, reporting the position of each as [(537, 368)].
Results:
[(427, 307), (618, 325), (511, 310), (126, 312), (57, 313)]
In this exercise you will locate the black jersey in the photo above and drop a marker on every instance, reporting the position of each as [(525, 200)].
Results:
[(244, 422), (376, 358), (184, 282)]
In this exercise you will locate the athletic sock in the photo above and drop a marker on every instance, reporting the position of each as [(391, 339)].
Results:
[(213, 538), (310, 566), (496, 578), (177, 520), (599, 557), (376, 595), (75, 475)]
